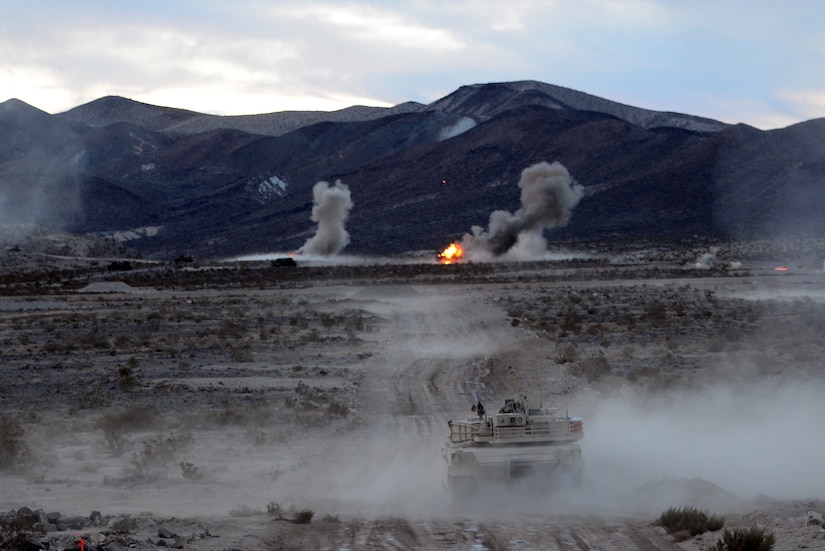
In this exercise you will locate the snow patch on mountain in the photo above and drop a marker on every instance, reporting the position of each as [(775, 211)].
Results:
[(464, 124), (268, 188), (121, 236)]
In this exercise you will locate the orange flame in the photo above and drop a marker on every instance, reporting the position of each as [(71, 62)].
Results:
[(451, 254)]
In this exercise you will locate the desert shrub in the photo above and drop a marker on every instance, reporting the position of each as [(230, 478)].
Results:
[(337, 409), (126, 379), (244, 511), (304, 516), (241, 353), (656, 310), (151, 461), (231, 330), (12, 447), (571, 320), (275, 510), (19, 531), (593, 367), (745, 539), (116, 426), (331, 518), (123, 526), (190, 471), (685, 522)]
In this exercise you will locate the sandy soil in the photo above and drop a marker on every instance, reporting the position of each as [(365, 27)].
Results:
[(210, 414)]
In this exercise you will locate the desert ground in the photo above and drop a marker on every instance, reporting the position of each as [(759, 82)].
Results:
[(242, 405)]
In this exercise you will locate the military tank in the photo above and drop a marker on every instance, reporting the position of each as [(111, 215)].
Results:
[(523, 444)]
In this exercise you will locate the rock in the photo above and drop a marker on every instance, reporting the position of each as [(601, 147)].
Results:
[(814, 518), (41, 517), (72, 523), (165, 533), (25, 512), (94, 537), (53, 517), (96, 518)]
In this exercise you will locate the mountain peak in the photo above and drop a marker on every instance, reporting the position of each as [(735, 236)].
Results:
[(112, 109), (17, 105), (485, 101)]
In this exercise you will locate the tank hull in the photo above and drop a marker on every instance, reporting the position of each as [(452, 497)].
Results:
[(539, 468)]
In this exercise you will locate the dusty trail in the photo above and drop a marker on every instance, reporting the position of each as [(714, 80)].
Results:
[(430, 353)]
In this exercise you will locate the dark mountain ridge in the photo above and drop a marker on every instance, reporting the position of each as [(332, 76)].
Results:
[(420, 176)]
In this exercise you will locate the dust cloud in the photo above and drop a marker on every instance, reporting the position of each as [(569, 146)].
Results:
[(332, 204), (731, 441), (548, 196)]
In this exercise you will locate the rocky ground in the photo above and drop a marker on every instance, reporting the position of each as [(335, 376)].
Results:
[(245, 406)]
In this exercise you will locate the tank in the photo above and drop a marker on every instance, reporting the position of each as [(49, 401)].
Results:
[(523, 445)]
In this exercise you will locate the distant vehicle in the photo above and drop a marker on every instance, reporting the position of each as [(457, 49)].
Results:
[(522, 442), (119, 266), (284, 262)]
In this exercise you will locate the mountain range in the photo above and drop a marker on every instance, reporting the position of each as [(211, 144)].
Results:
[(169, 182)]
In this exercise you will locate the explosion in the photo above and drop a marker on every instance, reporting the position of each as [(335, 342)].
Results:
[(451, 254), (548, 196), (332, 204)]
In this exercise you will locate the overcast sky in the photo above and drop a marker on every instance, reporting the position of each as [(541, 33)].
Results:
[(761, 62)]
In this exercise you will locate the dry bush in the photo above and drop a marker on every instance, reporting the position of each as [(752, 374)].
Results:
[(593, 367), (117, 426), (685, 522), (20, 531), (190, 471), (304, 516), (13, 449), (745, 539), (152, 460)]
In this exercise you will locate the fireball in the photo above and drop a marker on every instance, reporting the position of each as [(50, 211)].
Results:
[(451, 254)]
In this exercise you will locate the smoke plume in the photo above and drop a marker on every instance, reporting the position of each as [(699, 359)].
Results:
[(332, 204), (548, 195)]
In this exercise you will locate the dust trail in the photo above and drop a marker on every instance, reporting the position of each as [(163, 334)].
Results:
[(332, 204), (750, 438), (548, 195)]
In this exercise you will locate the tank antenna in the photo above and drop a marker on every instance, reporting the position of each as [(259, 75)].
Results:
[(566, 388)]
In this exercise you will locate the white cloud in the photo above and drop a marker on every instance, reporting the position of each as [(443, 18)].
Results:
[(809, 103), (229, 58), (368, 24)]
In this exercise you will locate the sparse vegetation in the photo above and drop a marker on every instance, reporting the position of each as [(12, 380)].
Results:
[(13, 448), (190, 471), (754, 538), (304, 516), (20, 531), (685, 522), (157, 453), (298, 359)]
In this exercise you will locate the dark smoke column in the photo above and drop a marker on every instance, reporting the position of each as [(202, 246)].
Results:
[(548, 195), (332, 204)]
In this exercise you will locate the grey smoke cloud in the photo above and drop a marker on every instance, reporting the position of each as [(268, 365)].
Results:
[(332, 204), (548, 195)]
